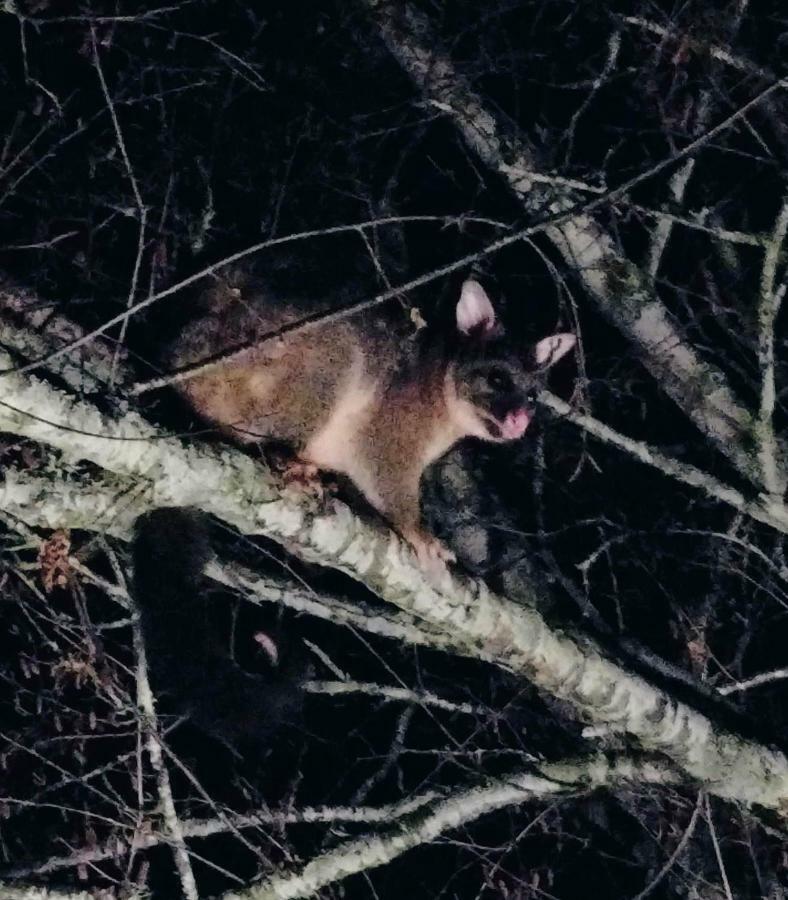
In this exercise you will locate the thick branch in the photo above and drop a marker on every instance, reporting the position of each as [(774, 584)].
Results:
[(231, 486), (40, 331)]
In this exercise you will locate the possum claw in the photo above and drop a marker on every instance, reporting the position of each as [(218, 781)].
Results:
[(430, 552), (299, 474), (305, 476)]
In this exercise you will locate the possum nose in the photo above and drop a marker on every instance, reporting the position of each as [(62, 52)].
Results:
[(515, 423)]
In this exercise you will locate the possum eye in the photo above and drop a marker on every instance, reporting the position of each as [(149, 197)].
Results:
[(499, 380)]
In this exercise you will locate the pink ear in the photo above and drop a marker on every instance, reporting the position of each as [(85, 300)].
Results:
[(550, 349), (474, 311)]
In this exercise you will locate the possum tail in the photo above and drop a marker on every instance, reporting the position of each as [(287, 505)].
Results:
[(171, 549), (186, 659)]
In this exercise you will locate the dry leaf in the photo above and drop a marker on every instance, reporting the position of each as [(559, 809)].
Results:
[(53, 560)]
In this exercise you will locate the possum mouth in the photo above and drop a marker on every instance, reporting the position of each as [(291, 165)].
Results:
[(511, 426)]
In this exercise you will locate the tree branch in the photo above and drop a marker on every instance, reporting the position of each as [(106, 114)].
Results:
[(770, 510), (149, 722), (622, 291), (771, 297), (480, 624), (369, 851)]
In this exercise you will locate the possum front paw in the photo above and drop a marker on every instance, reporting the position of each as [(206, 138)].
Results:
[(303, 475), (431, 553), (300, 474)]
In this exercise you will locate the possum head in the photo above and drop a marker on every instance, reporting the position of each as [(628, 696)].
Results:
[(491, 384)]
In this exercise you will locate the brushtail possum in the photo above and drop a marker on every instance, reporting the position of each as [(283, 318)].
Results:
[(186, 660), (359, 398)]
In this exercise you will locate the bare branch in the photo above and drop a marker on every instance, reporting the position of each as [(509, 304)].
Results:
[(367, 852), (676, 854), (770, 511), (755, 681), (771, 296), (174, 827), (231, 486), (146, 836), (35, 329), (624, 293), (717, 851), (142, 212), (719, 53), (386, 692)]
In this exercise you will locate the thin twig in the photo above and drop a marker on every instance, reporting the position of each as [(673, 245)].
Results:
[(718, 53), (142, 212), (370, 851), (720, 234), (755, 681), (674, 856), (386, 692), (717, 851), (773, 513), (169, 813)]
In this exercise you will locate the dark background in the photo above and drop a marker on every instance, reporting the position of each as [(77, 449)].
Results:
[(246, 122)]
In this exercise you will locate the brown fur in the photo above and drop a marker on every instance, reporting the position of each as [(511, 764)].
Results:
[(351, 397)]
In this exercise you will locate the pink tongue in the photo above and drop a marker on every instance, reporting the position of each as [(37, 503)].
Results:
[(515, 424)]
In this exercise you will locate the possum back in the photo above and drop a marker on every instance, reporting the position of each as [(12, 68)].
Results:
[(282, 387)]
